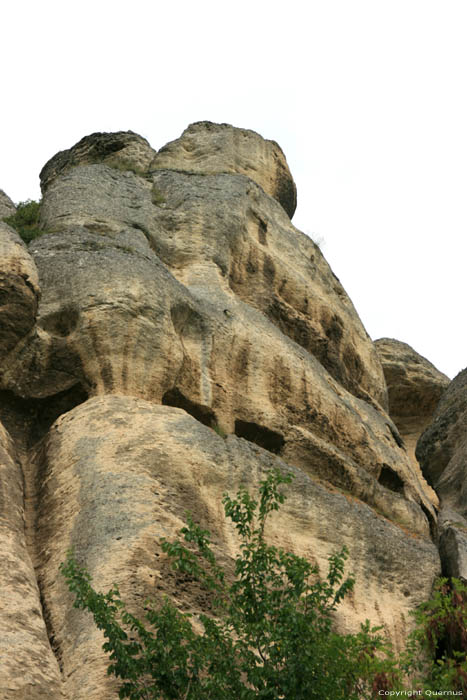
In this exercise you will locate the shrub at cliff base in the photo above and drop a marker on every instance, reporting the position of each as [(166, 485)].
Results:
[(270, 635)]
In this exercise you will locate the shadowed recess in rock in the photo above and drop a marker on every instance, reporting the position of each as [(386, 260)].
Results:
[(260, 435), (28, 420), (390, 480), (204, 414)]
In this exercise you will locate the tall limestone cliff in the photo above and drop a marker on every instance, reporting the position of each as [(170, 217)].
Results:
[(170, 337)]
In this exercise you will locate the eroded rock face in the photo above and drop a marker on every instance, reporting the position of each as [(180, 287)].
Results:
[(156, 302), (222, 234), (453, 543), (118, 473), (442, 452), (7, 208), (19, 291), (178, 300), (28, 667), (415, 387), (442, 448), (123, 150), (209, 148)]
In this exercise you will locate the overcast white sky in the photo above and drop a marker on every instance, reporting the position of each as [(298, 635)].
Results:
[(367, 99)]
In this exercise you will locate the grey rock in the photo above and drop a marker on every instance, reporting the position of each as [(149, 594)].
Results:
[(7, 208), (123, 150), (442, 449), (453, 552), (442, 452)]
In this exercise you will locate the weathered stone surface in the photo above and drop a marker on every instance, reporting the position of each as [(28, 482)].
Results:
[(7, 207), (105, 319), (178, 300), (19, 291), (114, 320), (442, 449), (117, 473), (210, 148), (415, 387), (123, 150), (453, 552), (442, 452), (28, 668), (221, 232)]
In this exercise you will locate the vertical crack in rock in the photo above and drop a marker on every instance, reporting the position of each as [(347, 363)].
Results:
[(31, 479), (32, 670), (28, 421)]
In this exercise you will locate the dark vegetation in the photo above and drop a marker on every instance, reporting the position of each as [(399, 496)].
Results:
[(26, 220)]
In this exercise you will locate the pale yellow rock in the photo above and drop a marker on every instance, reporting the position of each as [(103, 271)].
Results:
[(224, 232), (177, 294), (118, 473), (114, 320), (207, 298), (205, 147), (415, 388), (19, 291), (28, 667)]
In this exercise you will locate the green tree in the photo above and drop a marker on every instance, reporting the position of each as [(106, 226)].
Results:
[(270, 634)]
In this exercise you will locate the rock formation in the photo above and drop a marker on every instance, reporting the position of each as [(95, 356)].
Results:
[(28, 667), (415, 387), (178, 305), (208, 148), (7, 208), (442, 452), (19, 291), (124, 150)]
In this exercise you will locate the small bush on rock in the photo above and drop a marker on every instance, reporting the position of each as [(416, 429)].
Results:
[(26, 220)]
